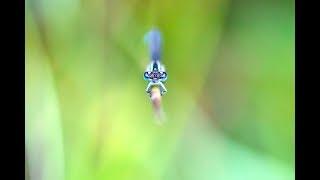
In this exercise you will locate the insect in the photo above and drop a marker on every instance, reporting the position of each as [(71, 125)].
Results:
[(155, 72)]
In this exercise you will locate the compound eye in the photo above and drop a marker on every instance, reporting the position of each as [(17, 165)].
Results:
[(163, 75), (147, 75)]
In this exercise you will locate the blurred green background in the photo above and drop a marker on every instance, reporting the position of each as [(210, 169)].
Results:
[(230, 100)]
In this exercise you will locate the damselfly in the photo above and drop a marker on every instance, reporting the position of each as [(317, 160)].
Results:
[(155, 72)]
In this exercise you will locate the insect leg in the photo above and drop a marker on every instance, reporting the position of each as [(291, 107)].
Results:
[(163, 88), (149, 87)]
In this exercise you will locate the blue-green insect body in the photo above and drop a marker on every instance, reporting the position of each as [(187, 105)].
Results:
[(155, 72)]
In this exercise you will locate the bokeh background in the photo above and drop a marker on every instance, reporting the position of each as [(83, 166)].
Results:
[(230, 102)]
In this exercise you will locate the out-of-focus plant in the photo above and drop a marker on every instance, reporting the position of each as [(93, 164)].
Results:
[(230, 107)]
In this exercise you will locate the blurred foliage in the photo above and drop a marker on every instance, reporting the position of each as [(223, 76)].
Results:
[(230, 100)]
